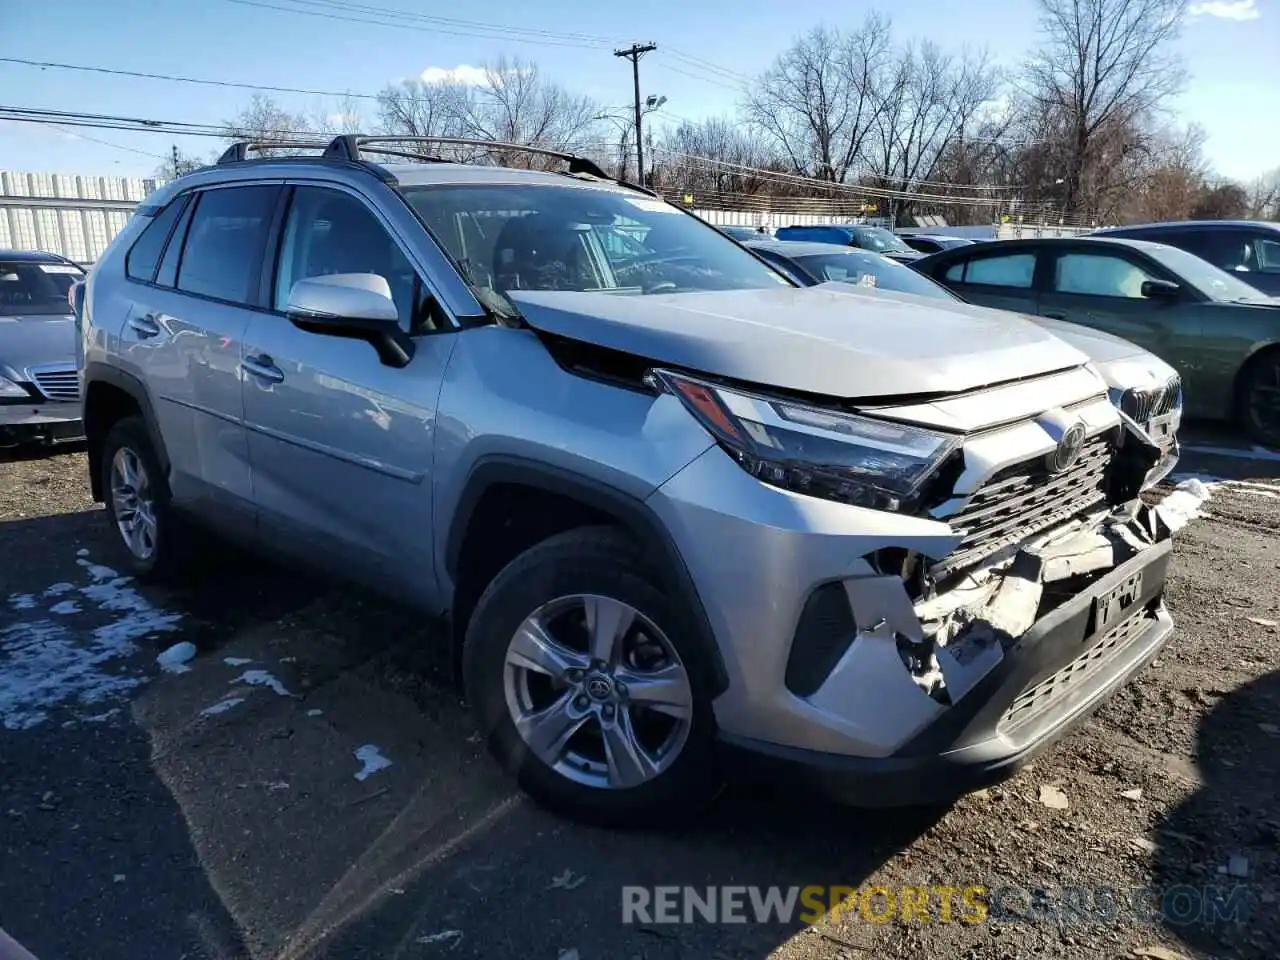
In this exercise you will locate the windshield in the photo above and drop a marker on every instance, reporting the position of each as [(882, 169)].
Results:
[(28, 287), (539, 237), (1214, 283), (872, 270), (880, 240)]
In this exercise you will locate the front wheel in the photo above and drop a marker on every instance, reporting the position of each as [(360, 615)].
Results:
[(590, 685), (1260, 399), (137, 497)]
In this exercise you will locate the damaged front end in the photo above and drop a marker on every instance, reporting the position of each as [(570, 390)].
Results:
[(1069, 546)]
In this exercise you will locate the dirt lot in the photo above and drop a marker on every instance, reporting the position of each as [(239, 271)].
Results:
[(312, 786)]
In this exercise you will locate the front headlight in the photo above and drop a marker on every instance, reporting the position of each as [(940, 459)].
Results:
[(11, 391), (823, 453)]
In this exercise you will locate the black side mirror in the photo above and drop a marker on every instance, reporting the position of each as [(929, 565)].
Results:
[(353, 305), (1161, 290)]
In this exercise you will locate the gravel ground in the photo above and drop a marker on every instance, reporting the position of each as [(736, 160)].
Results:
[(241, 808)]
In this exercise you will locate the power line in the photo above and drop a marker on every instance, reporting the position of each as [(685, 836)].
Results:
[(332, 14), (880, 192), (176, 78)]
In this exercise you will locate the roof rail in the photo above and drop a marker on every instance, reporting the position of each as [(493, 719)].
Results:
[(241, 149), (350, 146)]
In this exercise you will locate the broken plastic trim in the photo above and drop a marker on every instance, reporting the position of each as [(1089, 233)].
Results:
[(960, 635)]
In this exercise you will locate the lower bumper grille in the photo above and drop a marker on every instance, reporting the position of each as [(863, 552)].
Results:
[(1050, 693), (57, 384), (1024, 499)]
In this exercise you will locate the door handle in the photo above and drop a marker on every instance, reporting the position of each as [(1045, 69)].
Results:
[(1054, 315), (145, 327), (263, 368)]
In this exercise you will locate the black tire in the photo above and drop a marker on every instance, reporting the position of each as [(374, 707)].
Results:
[(601, 561), (1262, 370), (171, 555)]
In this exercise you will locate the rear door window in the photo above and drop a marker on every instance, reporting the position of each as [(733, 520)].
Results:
[(1015, 270), (222, 255)]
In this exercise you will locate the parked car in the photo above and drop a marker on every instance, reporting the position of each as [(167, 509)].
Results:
[(1247, 248), (745, 233), (39, 386), (1140, 384), (682, 514), (876, 239), (929, 243), (1221, 335)]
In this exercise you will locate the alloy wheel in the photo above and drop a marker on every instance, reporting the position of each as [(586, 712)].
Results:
[(133, 503), (597, 691), (1263, 399)]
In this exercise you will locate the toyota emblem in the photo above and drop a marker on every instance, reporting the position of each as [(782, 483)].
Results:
[(1068, 449)]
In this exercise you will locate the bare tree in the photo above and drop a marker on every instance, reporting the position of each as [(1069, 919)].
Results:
[(177, 163), (1102, 64), (515, 103), (1223, 201), (1264, 196), (264, 119), (819, 101), (933, 99), (719, 156)]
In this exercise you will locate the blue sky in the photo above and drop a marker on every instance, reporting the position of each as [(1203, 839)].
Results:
[(1231, 48)]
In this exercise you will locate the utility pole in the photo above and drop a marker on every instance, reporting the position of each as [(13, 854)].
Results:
[(634, 53), (176, 172)]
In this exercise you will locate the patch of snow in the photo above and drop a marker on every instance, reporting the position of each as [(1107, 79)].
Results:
[(97, 571), (58, 589), (22, 601), (236, 661), (46, 665), (176, 658), (372, 759), (450, 937), (113, 593), (1208, 479), (1253, 453), (314, 713), (222, 706), (262, 678), (82, 552), (1183, 505), (65, 608), (102, 717), (277, 785)]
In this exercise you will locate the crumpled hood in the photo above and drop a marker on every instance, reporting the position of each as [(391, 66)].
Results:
[(30, 340), (829, 339)]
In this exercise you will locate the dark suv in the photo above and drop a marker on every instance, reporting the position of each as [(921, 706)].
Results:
[(1248, 248)]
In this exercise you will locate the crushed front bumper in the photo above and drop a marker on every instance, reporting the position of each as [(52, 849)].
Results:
[(835, 671), (40, 421), (1049, 680)]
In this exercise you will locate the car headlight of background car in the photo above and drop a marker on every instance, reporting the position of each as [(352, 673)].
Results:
[(12, 391), (823, 453)]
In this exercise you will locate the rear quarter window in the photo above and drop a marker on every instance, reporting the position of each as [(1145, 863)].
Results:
[(144, 256)]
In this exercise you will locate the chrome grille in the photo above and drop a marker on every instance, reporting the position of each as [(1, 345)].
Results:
[(56, 382), (1025, 499), (1142, 405)]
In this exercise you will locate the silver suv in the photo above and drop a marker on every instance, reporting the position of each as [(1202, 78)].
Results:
[(676, 508)]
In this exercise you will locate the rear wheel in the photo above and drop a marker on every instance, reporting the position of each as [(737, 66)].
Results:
[(1259, 398), (588, 683)]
